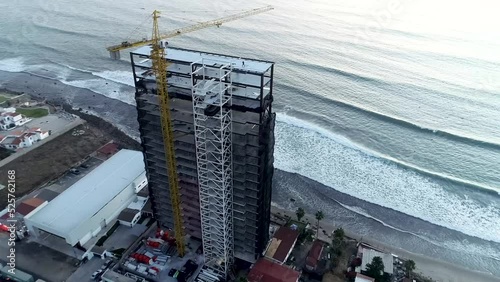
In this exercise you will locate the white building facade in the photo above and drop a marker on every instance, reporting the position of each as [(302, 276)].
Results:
[(92, 203)]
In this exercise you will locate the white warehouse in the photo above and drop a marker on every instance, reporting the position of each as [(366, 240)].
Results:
[(82, 210)]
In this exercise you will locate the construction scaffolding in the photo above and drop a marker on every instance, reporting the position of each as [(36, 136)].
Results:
[(212, 99)]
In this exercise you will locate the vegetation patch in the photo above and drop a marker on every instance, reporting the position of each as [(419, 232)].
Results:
[(33, 112), (3, 99)]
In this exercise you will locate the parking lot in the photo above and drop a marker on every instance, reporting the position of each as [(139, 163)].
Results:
[(43, 262)]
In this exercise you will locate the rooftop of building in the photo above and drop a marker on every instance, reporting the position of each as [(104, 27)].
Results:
[(368, 254), (184, 55), (47, 194), (127, 215), (267, 271), (138, 203), (363, 278), (282, 244), (314, 254), (89, 194), (108, 149)]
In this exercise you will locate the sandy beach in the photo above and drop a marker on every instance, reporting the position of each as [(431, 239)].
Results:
[(436, 269)]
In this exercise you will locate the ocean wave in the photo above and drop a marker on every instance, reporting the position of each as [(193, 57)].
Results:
[(348, 143), (60, 31), (100, 86), (107, 83), (12, 64), (452, 135), (123, 77), (306, 149)]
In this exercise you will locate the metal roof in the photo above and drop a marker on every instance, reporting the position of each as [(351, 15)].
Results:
[(90, 194), (314, 254), (282, 244), (369, 254)]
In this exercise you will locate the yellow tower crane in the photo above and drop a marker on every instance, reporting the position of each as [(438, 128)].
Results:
[(159, 67), (114, 50)]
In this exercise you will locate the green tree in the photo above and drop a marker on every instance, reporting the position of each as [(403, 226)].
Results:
[(300, 213), (409, 265), (319, 216), (375, 269), (339, 233), (243, 279)]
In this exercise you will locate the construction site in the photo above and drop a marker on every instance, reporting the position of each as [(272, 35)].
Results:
[(207, 134)]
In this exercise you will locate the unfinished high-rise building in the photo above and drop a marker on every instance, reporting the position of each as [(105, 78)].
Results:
[(224, 141)]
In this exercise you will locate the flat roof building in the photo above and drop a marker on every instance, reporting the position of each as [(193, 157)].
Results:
[(82, 210), (367, 253)]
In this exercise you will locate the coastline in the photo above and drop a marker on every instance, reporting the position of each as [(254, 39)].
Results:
[(438, 270), (430, 264)]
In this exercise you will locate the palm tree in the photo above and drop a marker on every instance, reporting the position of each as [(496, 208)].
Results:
[(300, 213), (410, 266), (319, 216)]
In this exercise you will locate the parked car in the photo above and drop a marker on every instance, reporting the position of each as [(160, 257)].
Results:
[(108, 262), (84, 166), (96, 275), (74, 171)]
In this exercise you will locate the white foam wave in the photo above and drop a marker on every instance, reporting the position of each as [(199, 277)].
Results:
[(75, 69), (304, 148), (12, 65), (108, 84), (123, 77), (100, 86), (346, 142)]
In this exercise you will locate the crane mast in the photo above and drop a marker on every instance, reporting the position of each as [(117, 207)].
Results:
[(159, 66)]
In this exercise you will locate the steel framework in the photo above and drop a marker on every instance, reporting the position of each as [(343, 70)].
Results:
[(212, 97)]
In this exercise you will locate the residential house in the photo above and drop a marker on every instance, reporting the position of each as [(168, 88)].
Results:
[(314, 255), (19, 139), (281, 245), (10, 120)]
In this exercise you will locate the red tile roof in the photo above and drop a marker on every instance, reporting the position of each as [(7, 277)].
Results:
[(34, 202), (5, 216), (282, 243), (17, 141), (314, 254), (24, 208), (267, 271), (108, 149)]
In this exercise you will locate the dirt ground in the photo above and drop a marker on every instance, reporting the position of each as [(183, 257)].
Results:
[(54, 158)]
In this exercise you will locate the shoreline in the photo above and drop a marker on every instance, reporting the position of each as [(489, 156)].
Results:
[(431, 267), (438, 270)]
